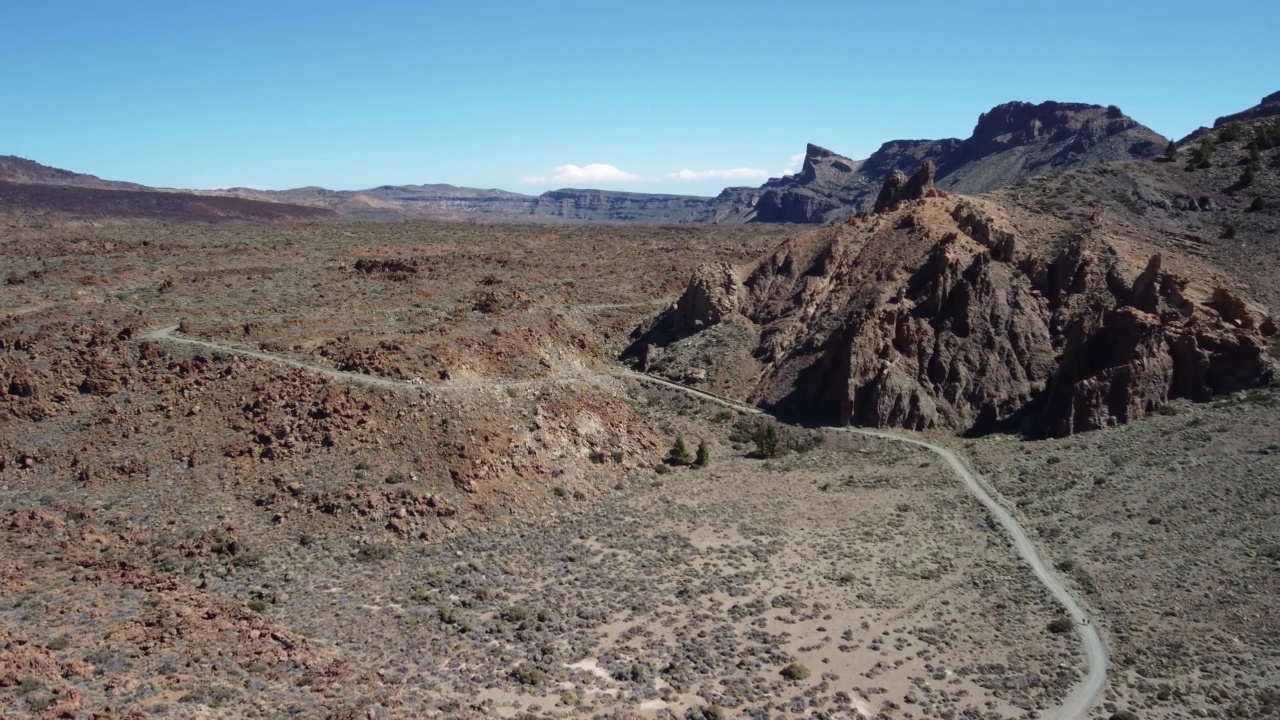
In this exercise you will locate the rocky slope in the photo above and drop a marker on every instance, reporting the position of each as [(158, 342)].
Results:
[(1269, 107), (20, 170), (976, 315), (1011, 142)]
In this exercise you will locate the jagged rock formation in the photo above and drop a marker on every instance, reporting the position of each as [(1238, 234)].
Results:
[(898, 188), (932, 313), (712, 294)]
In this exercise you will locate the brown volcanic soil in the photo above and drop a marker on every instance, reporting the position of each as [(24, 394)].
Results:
[(192, 533), (131, 469)]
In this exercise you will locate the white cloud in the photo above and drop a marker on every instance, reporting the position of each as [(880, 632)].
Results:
[(793, 166), (732, 175), (593, 173)]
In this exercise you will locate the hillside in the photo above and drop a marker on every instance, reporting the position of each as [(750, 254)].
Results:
[(1068, 302), (77, 202)]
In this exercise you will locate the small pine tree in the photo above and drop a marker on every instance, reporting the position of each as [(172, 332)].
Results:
[(1171, 151), (704, 454), (1246, 177), (1255, 159), (1230, 133), (768, 441), (1257, 205), (1204, 154), (679, 454)]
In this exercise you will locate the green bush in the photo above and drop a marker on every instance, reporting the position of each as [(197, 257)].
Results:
[(59, 643), (514, 614), (704, 454), (768, 441), (1230, 133), (795, 671), (1170, 152), (528, 675), (257, 605), (1257, 205), (679, 453), (1060, 625)]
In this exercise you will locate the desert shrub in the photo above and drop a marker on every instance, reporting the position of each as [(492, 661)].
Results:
[(706, 712), (1124, 715), (1230, 133), (1065, 565), (1230, 230), (59, 643), (257, 605), (1168, 410), (1060, 625), (679, 453), (374, 552), (795, 671), (514, 614), (703, 458), (1170, 152), (1257, 205), (1053, 460), (1247, 176), (449, 615), (526, 675), (662, 469)]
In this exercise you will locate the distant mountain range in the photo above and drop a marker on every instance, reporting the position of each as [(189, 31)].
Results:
[(1011, 142)]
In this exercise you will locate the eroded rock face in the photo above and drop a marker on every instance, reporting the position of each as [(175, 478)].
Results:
[(899, 188), (931, 315), (712, 294)]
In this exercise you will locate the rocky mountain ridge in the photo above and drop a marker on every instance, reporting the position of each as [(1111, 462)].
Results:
[(981, 314), (1009, 143)]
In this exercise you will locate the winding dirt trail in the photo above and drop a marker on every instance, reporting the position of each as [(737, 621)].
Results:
[(1078, 701)]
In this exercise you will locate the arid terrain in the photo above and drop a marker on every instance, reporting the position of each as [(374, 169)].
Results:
[(269, 463)]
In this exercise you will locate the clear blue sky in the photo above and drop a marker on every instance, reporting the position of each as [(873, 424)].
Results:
[(527, 95)]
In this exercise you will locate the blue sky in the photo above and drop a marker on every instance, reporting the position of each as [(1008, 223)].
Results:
[(534, 95)]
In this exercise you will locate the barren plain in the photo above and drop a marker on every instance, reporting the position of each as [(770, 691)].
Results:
[(389, 476)]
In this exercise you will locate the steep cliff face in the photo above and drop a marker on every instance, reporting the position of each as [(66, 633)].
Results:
[(934, 313), (611, 206)]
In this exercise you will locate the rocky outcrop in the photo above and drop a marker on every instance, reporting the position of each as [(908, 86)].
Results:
[(899, 188), (712, 294), (934, 313)]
